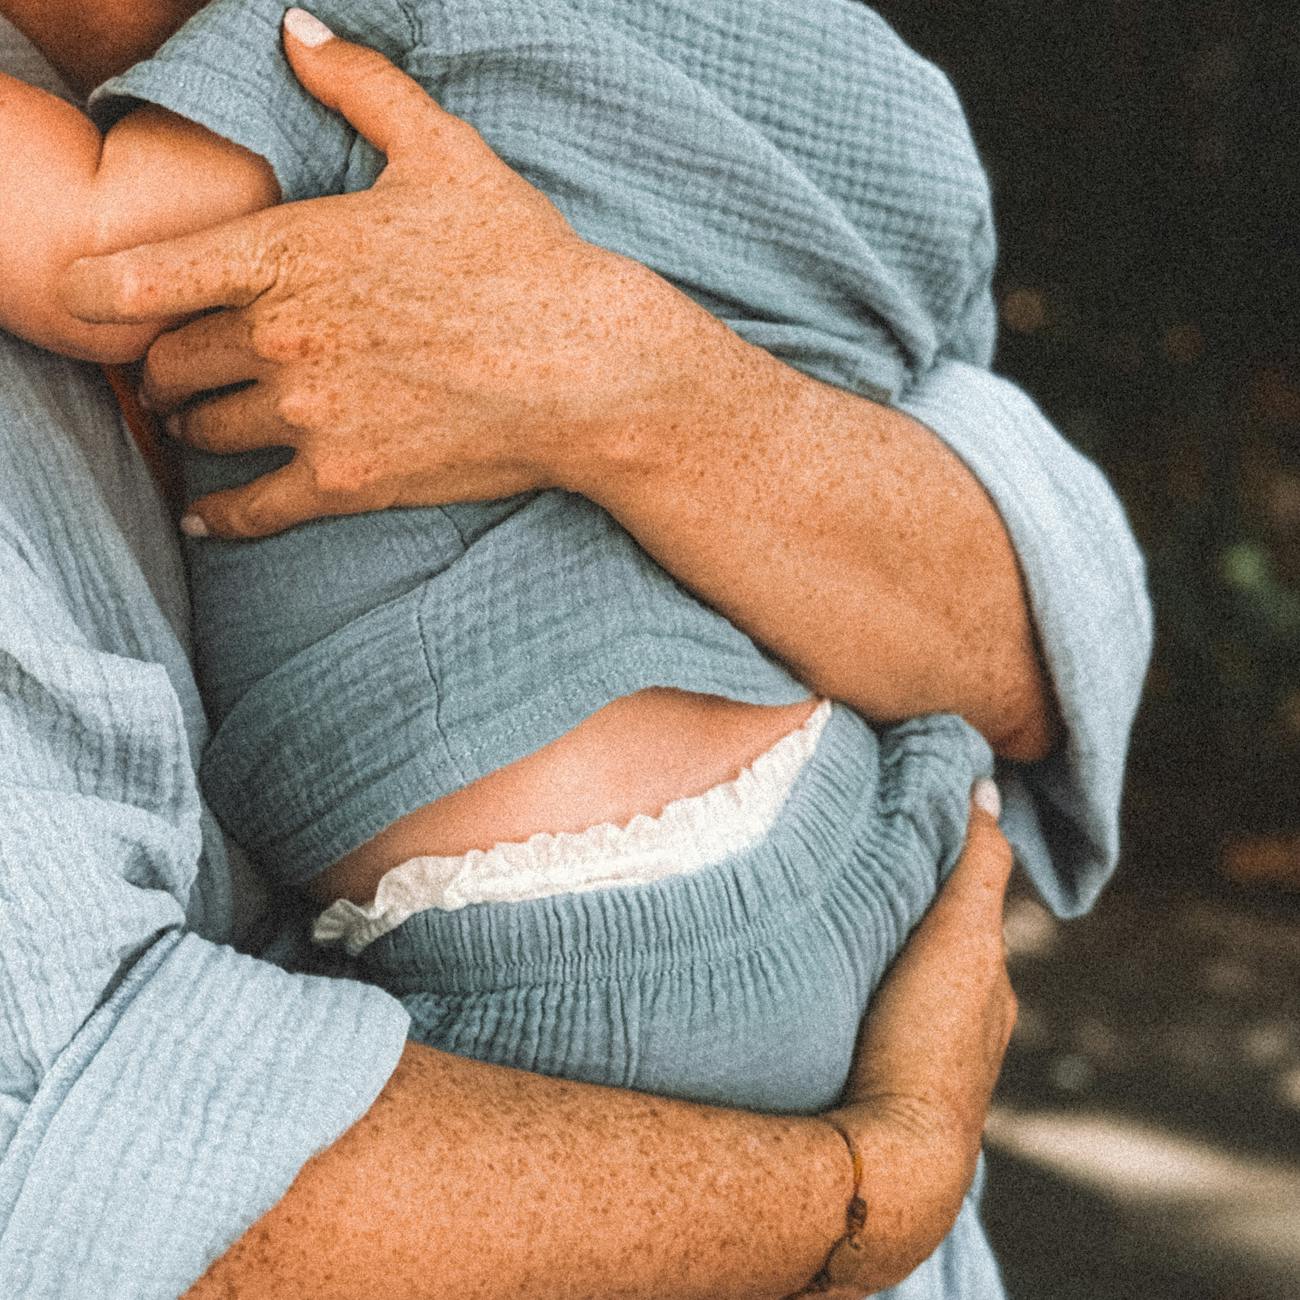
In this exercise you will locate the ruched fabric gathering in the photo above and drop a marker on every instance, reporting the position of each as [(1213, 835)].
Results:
[(688, 834)]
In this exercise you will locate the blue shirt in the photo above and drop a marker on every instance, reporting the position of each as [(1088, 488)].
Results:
[(799, 171)]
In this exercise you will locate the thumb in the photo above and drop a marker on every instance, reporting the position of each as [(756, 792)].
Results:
[(267, 505), (978, 883), (386, 106)]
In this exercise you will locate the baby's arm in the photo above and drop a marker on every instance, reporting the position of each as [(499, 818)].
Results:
[(66, 191)]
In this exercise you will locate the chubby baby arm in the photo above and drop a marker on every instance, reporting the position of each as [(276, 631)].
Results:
[(66, 192)]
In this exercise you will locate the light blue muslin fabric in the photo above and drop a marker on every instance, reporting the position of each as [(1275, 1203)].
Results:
[(158, 1089), (803, 174)]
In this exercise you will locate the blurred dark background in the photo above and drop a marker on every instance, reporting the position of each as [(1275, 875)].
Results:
[(1145, 159)]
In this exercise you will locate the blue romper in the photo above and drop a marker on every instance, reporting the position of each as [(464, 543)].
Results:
[(358, 668), (800, 173)]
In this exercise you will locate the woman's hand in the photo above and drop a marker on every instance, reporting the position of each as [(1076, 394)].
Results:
[(446, 336), (928, 1058), (443, 336)]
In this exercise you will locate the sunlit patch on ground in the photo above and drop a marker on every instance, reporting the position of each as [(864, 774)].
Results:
[(1146, 1140)]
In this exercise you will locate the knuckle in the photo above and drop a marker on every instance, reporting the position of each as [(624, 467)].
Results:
[(464, 134), (249, 518), (159, 361), (995, 845), (365, 62), (336, 476), (271, 338), (193, 426), (372, 79), (295, 408), (124, 289)]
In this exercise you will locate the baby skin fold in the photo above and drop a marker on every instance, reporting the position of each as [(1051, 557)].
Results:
[(67, 191)]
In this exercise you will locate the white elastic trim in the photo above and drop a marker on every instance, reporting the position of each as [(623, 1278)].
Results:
[(688, 834)]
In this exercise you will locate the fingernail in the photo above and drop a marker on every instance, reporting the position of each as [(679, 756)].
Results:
[(306, 28), (193, 526), (987, 796)]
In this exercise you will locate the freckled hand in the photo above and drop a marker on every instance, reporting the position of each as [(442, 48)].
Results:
[(438, 337)]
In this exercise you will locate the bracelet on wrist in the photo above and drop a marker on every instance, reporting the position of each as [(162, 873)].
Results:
[(844, 1260)]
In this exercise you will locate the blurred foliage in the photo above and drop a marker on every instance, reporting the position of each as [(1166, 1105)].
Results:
[(1145, 158)]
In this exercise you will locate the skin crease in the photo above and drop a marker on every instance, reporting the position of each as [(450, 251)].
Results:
[(88, 41), (471, 1180)]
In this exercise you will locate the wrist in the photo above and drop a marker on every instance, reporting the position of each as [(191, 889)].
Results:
[(669, 396), (910, 1178)]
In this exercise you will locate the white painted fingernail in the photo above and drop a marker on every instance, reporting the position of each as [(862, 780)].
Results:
[(306, 28), (193, 526), (986, 795)]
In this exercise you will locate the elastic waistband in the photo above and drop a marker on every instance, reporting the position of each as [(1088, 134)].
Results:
[(891, 808), (688, 834), (479, 664)]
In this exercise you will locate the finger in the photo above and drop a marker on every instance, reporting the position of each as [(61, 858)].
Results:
[(386, 106), (986, 859), (267, 505), (211, 352), (241, 421), (224, 266), (973, 898)]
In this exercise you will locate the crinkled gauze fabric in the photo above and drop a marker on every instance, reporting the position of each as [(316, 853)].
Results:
[(160, 1090), (741, 982), (793, 167), (808, 179)]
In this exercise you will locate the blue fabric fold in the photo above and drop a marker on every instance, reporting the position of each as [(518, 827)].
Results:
[(159, 1090)]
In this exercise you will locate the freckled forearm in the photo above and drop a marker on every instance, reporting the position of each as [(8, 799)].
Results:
[(841, 534), (480, 1182)]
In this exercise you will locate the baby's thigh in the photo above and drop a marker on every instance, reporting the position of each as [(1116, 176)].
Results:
[(770, 1031), (755, 1012)]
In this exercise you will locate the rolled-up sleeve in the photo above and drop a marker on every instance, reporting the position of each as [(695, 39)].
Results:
[(226, 70), (1087, 590), (158, 1092)]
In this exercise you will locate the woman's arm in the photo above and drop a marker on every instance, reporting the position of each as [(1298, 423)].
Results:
[(847, 537), (476, 1181), (162, 1090), (841, 535)]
